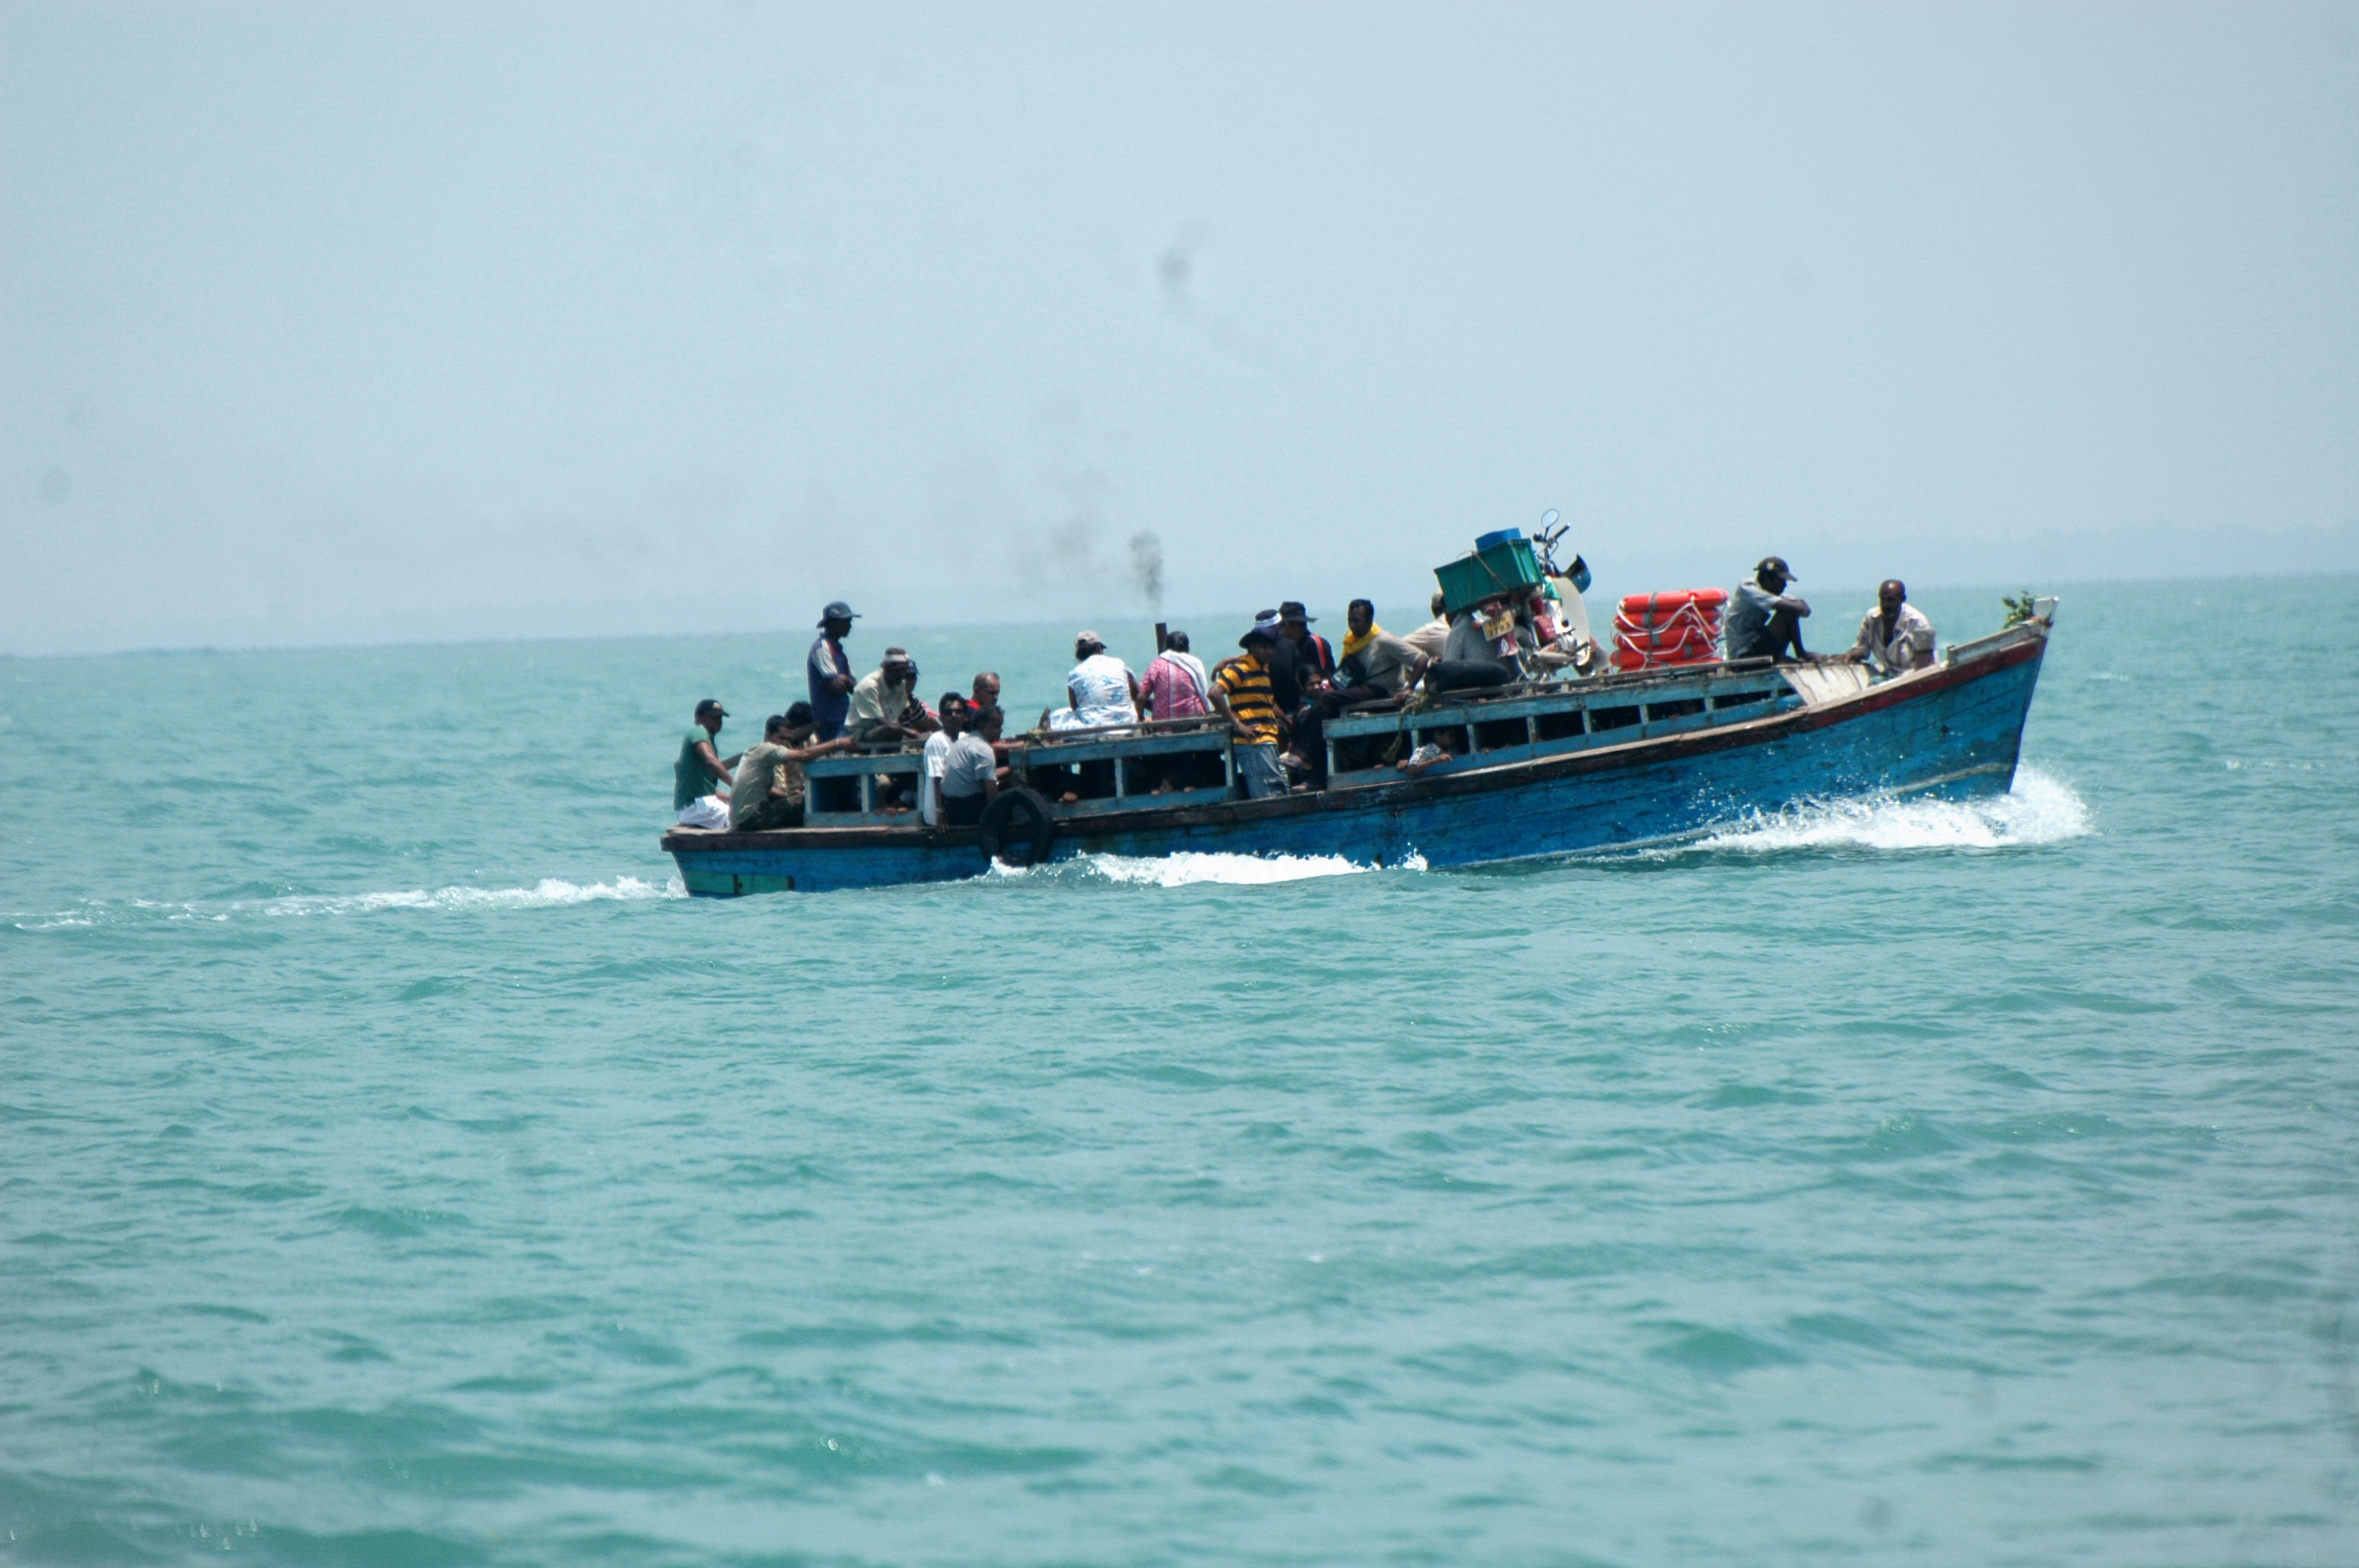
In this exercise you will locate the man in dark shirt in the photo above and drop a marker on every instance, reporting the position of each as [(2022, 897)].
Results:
[(1302, 663), (1301, 667), (1763, 621), (829, 672)]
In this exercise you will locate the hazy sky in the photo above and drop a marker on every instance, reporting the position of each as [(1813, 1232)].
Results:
[(328, 323)]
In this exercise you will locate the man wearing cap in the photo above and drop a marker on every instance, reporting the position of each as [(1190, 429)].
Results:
[(1895, 636), (770, 785), (1764, 621), (1240, 695), (697, 769), (881, 702), (1263, 621), (1100, 688), (1302, 664), (829, 672)]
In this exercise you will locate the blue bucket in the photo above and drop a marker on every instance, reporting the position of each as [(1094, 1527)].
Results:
[(1500, 536)]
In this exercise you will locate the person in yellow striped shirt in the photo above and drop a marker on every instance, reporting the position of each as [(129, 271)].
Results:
[(1240, 695)]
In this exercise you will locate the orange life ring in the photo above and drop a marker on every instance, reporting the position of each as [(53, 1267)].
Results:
[(1705, 600)]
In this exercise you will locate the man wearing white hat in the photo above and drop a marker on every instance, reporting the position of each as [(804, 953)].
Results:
[(881, 703), (1100, 687)]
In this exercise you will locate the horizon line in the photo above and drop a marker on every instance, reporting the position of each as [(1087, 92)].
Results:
[(227, 649)]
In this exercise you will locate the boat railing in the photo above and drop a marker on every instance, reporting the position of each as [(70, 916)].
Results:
[(2037, 627), (1104, 768), (1157, 764), (1124, 767), (1532, 719), (1046, 737), (852, 790)]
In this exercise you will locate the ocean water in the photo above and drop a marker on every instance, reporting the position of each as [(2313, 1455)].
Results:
[(395, 1170)]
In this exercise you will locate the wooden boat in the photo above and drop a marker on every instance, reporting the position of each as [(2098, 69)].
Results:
[(1531, 772)]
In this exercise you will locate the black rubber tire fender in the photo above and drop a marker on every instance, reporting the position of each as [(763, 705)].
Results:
[(1017, 827)]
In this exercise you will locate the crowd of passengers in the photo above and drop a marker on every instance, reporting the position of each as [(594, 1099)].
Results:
[(1276, 695)]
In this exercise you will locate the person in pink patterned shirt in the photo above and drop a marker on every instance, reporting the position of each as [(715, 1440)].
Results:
[(1175, 682)]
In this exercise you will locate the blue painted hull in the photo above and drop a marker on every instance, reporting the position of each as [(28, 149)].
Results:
[(1955, 732)]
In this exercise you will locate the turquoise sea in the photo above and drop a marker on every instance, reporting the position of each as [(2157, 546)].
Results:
[(395, 1170)]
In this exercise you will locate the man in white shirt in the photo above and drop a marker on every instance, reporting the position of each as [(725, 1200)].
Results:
[(970, 775), (1895, 636), (1102, 689), (930, 757)]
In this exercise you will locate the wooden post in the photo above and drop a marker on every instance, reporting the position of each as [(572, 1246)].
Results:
[(1162, 636)]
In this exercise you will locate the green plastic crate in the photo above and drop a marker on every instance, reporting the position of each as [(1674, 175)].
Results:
[(1511, 569)]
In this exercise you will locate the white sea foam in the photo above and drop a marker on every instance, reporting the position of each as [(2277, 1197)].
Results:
[(547, 893), (550, 892), (1234, 870), (2039, 809), (1191, 868)]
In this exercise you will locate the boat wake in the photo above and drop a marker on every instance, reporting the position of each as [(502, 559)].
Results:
[(550, 892), (1194, 868), (2039, 809)]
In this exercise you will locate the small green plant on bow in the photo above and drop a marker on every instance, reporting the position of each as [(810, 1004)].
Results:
[(2020, 607)]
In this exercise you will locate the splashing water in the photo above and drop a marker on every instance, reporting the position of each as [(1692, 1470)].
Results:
[(550, 892), (1193, 866), (2039, 809), (547, 893), (1234, 870)]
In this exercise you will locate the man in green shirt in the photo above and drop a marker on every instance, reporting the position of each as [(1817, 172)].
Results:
[(770, 784), (698, 771)]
